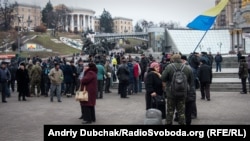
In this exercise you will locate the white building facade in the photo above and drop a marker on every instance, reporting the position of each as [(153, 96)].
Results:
[(79, 20)]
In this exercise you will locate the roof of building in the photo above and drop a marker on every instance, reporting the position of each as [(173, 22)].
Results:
[(28, 5), (185, 41), (122, 18)]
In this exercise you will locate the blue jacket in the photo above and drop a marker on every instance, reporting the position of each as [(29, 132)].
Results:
[(5, 75)]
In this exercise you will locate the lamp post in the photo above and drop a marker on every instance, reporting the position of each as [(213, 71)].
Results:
[(6, 44), (200, 46), (219, 44), (18, 31), (29, 21), (209, 49)]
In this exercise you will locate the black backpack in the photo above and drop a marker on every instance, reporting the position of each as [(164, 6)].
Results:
[(179, 85)]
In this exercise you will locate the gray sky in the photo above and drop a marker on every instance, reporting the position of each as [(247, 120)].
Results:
[(181, 11)]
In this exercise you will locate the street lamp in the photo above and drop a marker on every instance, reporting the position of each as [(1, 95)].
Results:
[(6, 44), (200, 46), (209, 49), (29, 21), (219, 44), (18, 31)]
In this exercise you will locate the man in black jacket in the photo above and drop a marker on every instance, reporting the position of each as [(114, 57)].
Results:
[(205, 77), (123, 76)]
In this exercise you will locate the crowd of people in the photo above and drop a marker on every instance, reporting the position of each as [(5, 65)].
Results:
[(58, 76)]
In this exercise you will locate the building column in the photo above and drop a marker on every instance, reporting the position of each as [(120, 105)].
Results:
[(238, 40), (78, 22), (80, 25), (89, 21), (84, 24), (92, 23), (72, 23), (66, 23), (232, 39)]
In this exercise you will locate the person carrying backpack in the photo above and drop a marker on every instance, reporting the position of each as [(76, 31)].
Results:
[(176, 79)]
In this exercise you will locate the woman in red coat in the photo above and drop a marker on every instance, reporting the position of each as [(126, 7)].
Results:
[(89, 80)]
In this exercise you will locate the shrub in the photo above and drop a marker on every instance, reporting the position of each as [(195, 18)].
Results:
[(129, 49), (232, 52), (40, 28)]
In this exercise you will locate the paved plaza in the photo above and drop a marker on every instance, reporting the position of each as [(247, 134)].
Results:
[(24, 120)]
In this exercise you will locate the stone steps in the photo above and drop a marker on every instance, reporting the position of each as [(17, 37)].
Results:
[(225, 81)]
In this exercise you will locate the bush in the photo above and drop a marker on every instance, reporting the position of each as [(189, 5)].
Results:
[(129, 50), (40, 28), (232, 52)]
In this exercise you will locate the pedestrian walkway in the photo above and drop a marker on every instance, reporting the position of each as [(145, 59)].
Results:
[(24, 120)]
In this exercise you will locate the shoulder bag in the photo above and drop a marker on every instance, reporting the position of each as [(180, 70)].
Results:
[(82, 95)]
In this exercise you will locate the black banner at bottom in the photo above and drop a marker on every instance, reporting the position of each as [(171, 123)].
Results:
[(76, 132)]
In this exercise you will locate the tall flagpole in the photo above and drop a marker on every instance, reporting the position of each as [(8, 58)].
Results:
[(200, 40)]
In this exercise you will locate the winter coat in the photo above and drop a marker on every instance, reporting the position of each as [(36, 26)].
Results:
[(22, 78), (168, 73), (68, 74), (153, 84), (243, 69), (205, 73), (90, 81)]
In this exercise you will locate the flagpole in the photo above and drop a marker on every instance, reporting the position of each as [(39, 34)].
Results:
[(200, 40)]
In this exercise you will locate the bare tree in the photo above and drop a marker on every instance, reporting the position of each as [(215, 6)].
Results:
[(59, 16), (144, 24), (170, 25), (6, 10)]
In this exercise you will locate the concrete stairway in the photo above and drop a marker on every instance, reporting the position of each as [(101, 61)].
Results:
[(226, 81)]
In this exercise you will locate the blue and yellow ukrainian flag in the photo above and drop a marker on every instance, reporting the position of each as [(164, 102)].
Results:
[(206, 20)]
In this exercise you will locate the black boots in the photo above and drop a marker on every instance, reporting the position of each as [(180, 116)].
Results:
[(19, 98)]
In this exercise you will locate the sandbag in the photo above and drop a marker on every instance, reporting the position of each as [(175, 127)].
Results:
[(153, 117)]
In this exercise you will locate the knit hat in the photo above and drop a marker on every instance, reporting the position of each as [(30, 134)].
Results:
[(184, 57), (154, 64), (22, 64)]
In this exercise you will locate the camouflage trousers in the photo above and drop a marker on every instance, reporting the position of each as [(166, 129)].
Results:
[(172, 105), (35, 84)]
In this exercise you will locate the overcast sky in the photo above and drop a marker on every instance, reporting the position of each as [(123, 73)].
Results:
[(181, 11)]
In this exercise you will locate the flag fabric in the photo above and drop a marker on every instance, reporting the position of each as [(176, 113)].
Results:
[(206, 20)]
